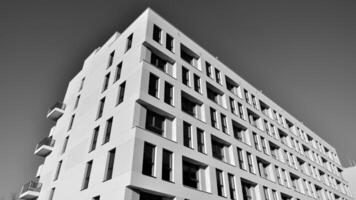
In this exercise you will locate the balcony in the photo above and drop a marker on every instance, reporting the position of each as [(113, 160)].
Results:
[(44, 147), (56, 111), (30, 190)]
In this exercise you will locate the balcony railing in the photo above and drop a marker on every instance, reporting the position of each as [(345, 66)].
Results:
[(45, 146), (30, 190), (56, 111)]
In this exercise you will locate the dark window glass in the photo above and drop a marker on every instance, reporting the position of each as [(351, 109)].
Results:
[(110, 165), (101, 108), (108, 130), (185, 76), (197, 86), (220, 182), (118, 71), (168, 93), (111, 58), (167, 165), (121, 92), (94, 139), (157, 31), (148, 164), (169, 42), (129, 42), (106, 82), (87, 175), (190, 174), (232, 187), (153, 85), (155, 122), (65, 144), (189, 106), (201, 140), (187, 134), (71, 122)]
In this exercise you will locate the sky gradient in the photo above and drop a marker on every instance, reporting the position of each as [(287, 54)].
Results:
[(302, 55)]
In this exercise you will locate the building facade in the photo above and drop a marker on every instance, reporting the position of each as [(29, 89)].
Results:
[(153, 116), (350, 176)]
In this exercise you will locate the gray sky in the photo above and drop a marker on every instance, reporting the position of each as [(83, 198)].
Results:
[(300, 53)]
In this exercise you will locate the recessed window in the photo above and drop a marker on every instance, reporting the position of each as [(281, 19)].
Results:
[(248, 191), (251, 169), (232, 105), (217, 76), (77, 102), (59, 166), (239, 131), (81, 84), (96, 198), (160, 62), (189, 56), (87, 175), (253, 118), (94, 139), (220, 149), (232, 186), (108, 128), (247, 97), (129, 42), (121, 93), (101, 108), (232, 86), (264, 108), (111, 58), (187, 135), (168, 93), (213, 118), (194, 174), (197, 84), (220, 182), (190, 105), (265, 193), (167, 165), (110, 165), (71, 122), (241, 111), (185, 76), (65, 144), (201, 140), (106, 82), (169, 42), (51, 193), (223, 123), (153, 85), (263, 168), (241, 159), (209, 69), (214, 94), (157, 33), (155, 122), (118, 71), (148, 164)]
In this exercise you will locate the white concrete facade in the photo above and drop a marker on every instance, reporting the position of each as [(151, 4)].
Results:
[(309, 170)]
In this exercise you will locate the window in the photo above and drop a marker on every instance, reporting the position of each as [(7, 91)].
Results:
[(157, 32), (96, 198), (250, 163), (168, 93), (189, 56), (232, 187), (232, 86), (185, 76), (201, 140), (169, 42), (254, 102), (294, 181), (217, 76), (94, 139), (148, 166), (274, 151), (241, 159), (121, 93), (71, 122), (208, 69), (101, 108), (153, 85), (81, 84), (65, 145), (149, 196), (108, 130), (218, 149), (220, 182), (214, 122), (193, 174), (256, 141), (264, 108), (253, 118), (197, 86), (155, 122), (187, 134), (190, 105), (159, 62), (110, 165), (77, 102), (274, 195), (247, 98), (214, 94), (106, 82), (167, 165), (223, 123), (265, 192), (241, 110), (264, 147), (118, 71), (263, 168), (87, 175), (232, 105), (129, 42), (248, 191), (278, 174), (111, 58), (51, 194), (239, 131), (59, 166)]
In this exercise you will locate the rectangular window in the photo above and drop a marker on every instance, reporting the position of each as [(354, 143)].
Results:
[(185, 76), (193, 174), (201, 140), (159, 62), (168, 93), (153, 85), (121, 93), (189, 56), (254, 102), (223, 123), (59, 166), (263, 168), (255, 141), (51, 194), (214, 122), (96, 198), (187, 134), (65, 145), (232, 86), (118, 71), (87, 175), (157, 33), (247, 98), (101, 108), (274, 195), (77, 102), (189, 106), (129, 42), (169, 42), (265, 192), (248, 191), (197, 85), (239, 131), (71, 122), (232, 105), (218, 149), (253, 118), (167, 165), (241, 159), (106, 82), (108, 130), (278, 174), (81, 84), (111, 58), (94, 139), (155, 122), (218, 76), (148, 164), (241, 110), (214, 94), (208, 69), (220, 183), (264, 147), (232, 187), (250, 163), (110, 165)]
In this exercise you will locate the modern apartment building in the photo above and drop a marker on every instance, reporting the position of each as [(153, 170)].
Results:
[(154, 116)]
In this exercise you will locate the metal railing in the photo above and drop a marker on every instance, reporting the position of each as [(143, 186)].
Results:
[(33, 186), (46, 141), (58, 104)]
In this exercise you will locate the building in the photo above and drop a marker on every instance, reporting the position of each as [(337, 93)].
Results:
[(153, 116), (350, 175)]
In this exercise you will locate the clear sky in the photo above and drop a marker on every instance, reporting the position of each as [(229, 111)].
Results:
[(302, 54)]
